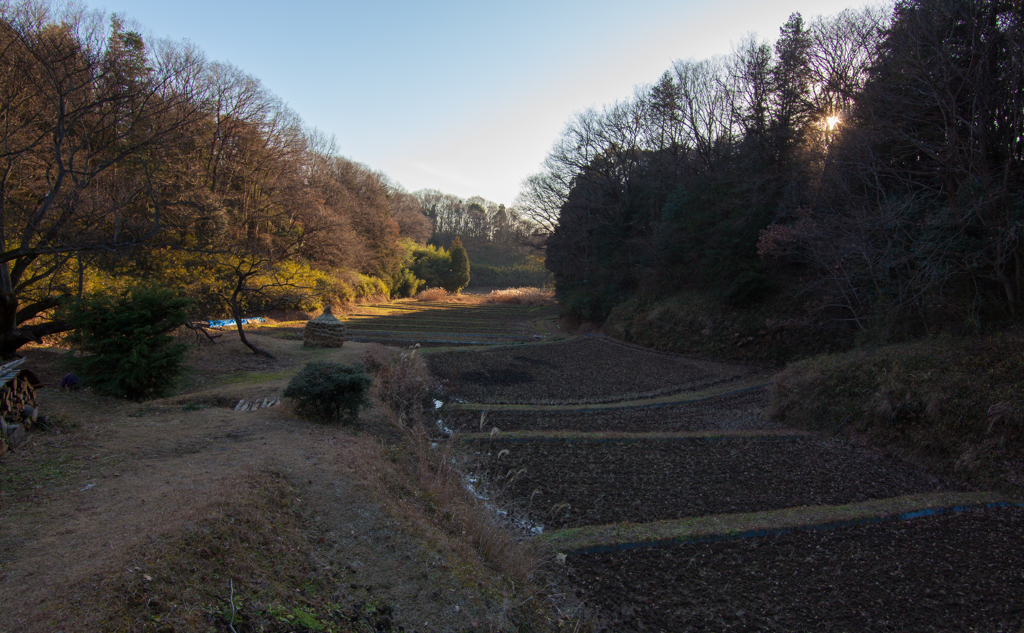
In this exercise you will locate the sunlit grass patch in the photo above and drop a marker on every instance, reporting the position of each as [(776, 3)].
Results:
[(522, 296)]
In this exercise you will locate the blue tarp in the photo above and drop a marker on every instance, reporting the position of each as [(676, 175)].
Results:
[(230, 322)]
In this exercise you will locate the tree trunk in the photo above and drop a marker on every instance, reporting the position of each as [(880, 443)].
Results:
[(10, 338), (236, 312)]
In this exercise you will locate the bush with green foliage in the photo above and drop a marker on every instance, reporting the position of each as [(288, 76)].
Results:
[(368, 287), (330, 391), (431, 264), (458, 276), (124, 343), (405, 284)]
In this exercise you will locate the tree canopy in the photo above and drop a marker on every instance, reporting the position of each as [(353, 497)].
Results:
[(868, 162), (124, 161)]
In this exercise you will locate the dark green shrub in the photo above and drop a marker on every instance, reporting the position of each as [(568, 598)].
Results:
[(431, 264), (405, 284), (123, 341), (330, 391)]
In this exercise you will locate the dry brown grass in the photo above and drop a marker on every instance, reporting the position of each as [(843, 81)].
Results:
[(515, 296), (951, 404), (442, 295), (248, 525), (423, 486), (522, 296), (236, 564), (402, 394), (433, 294)]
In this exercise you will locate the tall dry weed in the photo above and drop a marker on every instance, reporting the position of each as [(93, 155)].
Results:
[(442, 295), (522, 296), (432, 294), (403, 394)]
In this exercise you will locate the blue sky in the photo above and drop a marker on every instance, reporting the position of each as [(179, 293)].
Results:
[(465, 97)]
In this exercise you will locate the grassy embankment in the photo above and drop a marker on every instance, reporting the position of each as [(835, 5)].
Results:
[(952, 404), (251, 559)]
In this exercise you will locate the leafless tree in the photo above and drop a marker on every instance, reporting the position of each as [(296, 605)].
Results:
[(90, 119)]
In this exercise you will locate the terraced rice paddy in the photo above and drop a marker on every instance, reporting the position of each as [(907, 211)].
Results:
[(674, 505), (577, 481), (601, 370), (404, 323)]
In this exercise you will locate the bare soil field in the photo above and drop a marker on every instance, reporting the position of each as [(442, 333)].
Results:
[(669, 503), (445, 324), (576, 371), (698, 514), (958, 571), (580, 481), (406, 323), (730, 412)]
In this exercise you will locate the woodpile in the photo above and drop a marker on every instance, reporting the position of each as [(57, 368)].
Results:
[(18, 411)]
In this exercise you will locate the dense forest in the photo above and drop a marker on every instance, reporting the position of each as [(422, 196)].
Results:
[(126, 161), (860, 177)]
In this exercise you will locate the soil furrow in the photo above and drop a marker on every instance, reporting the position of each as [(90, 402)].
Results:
[(575, 482), (952, 572)]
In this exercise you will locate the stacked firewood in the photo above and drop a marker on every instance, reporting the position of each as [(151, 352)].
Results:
[(18, 410)]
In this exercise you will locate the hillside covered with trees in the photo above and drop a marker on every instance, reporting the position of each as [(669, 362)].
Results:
[(128, 161), (859, 178)]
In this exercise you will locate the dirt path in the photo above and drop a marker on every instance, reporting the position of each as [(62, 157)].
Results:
[(79, 508)]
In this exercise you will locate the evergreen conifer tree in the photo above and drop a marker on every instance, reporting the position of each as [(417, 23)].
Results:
[(458, 276)]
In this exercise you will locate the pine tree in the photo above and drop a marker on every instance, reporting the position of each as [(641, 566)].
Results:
[(458, 276), (125, 341), (792, 109)]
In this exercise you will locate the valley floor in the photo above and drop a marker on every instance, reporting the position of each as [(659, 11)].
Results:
[(660, 497)]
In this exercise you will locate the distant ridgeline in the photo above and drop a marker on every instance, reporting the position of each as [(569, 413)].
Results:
[(501, 243)]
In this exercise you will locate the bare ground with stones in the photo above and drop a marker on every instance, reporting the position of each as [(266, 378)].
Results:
[(580, 481), (954, 572), (729, 412)]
